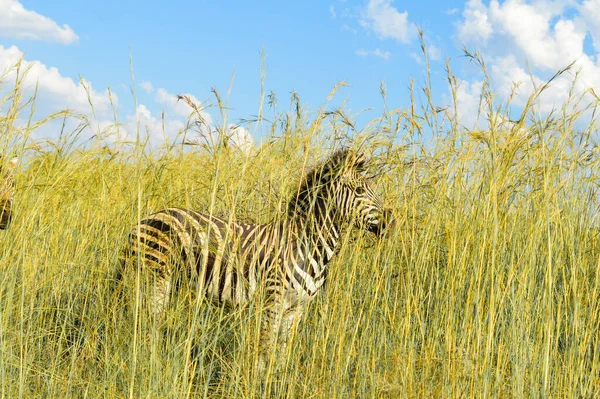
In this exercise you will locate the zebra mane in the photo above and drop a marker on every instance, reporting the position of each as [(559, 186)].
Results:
[(326, 171)]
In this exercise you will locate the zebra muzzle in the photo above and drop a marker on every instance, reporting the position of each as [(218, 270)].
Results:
[(384, 224)]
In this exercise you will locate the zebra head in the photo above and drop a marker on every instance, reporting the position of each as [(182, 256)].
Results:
[(340, 186), (7, 188)]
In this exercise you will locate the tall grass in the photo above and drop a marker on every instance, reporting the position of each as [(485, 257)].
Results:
[(488, 286)]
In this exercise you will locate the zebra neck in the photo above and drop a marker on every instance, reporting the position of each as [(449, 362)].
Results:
[(317, 235)]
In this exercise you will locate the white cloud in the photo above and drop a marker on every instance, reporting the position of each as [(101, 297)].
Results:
[(241, 138), (153, 130), (468, 95), (417, 57), (375, 53), (147, 86), (347, 28), (157, 130), (530, 28), (476, 26), (172, 122), (172, 105), (386, 21), (237, 137), (54, 91), (590, 15), (434, 52), (506, 72), (526, 42), (178, 107), (332, 11), (18, 22)]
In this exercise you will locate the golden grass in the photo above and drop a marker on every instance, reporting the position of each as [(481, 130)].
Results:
[(488, 286)]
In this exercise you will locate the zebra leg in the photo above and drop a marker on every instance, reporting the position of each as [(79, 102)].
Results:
[(161, 294), (278, 324), (284, 328)]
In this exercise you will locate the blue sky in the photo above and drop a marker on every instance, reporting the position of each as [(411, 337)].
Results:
[(191, 46)]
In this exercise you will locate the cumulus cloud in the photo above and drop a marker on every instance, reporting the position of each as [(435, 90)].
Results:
[(147, 86), (468, 97), (348, 28), (538, 30), (381, 17), (175, 107), (54, 91), (531, 27), (434, 52), (375, 53), (507, 72), (589, 12), (172, 122), (18, 22), (157, 130), (240, 137), (235, 136), (475, 26), (526, 42), (417, 57)]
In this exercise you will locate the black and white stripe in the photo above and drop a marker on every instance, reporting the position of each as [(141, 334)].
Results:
[(285, 260), (7, 190)]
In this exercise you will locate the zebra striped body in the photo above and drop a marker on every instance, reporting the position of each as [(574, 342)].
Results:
[(233, 259), (7, 188), (285, 260)]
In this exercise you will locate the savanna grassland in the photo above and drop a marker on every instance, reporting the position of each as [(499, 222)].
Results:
[(489, 284)]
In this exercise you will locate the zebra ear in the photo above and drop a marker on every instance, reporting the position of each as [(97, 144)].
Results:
[(341, 161), (355, 160), (360, 162), (334, 165)]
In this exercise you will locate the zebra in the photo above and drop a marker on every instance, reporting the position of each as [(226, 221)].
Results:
[(287, 259), (7, 189)]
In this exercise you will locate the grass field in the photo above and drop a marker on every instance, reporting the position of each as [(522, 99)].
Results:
[(488, 286)]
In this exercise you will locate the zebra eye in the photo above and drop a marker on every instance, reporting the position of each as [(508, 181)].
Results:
[(360, 190)]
